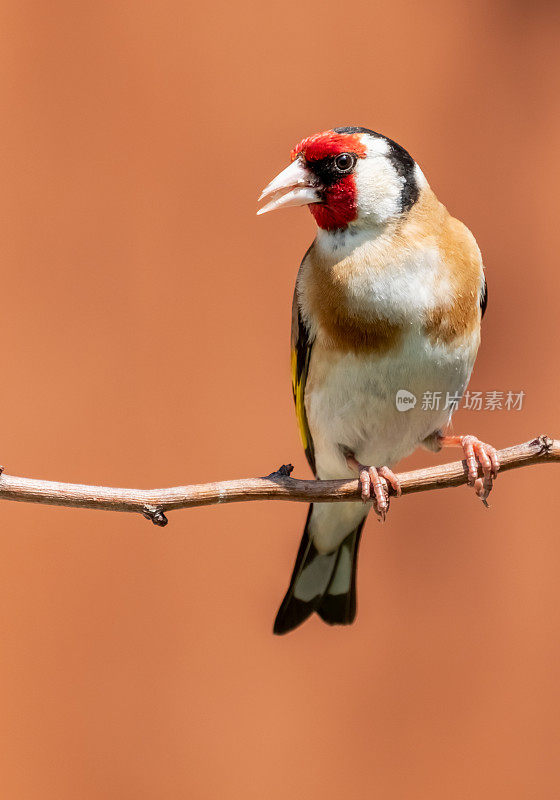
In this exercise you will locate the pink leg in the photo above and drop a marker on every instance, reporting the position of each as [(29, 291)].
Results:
[(476, 452), (375, 484)]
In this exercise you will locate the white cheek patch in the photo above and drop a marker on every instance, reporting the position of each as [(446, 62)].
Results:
[(379, 188)]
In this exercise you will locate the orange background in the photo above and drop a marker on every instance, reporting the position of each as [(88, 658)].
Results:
[(145, 327)]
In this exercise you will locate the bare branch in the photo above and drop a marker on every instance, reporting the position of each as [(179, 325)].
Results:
[(153, 503)]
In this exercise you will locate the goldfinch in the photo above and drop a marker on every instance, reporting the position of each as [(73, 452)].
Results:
[(388, 299)]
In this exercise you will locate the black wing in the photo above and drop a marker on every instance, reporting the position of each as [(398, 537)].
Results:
[(483, 299), (301, 353)]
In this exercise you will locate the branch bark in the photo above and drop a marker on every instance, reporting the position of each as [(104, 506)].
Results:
[(153, 503)]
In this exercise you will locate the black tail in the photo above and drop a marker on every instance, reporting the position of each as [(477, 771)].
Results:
[(324, 583)]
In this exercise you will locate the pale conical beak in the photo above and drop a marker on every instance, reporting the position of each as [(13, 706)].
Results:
[(294, 186)]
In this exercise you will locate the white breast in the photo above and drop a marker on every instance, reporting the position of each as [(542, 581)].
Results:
[(350, 397), (351, 400), (399, 285)]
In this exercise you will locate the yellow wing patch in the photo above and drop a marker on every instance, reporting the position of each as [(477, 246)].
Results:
[(298, 387)]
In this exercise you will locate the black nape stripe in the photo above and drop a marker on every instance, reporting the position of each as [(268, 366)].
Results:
[(404, 166), (401, 160)]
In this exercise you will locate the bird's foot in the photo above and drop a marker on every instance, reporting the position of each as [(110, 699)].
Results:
[(374, 484), (477, 454)]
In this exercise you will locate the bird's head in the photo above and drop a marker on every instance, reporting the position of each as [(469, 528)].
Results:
[(349, 177)]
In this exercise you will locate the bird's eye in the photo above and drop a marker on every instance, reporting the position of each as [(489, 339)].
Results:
[(345, 162)]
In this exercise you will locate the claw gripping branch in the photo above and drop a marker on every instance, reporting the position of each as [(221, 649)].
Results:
[(155, 503)]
